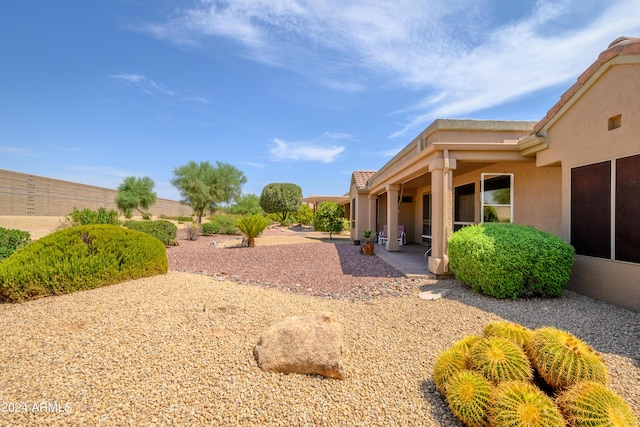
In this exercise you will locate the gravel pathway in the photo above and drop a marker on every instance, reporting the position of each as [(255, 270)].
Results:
[(177, 349)]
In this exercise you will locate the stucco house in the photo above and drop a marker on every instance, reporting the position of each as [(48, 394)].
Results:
[(575, 173)]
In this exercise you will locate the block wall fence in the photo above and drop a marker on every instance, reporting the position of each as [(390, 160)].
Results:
[(30, 195)]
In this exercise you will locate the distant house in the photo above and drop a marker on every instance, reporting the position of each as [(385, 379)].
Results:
[(575, 173)]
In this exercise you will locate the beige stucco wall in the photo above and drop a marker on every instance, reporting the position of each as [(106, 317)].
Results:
[(580, 136), (30, 195)]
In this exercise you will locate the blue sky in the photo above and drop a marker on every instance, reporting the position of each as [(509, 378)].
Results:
[(301, 91)]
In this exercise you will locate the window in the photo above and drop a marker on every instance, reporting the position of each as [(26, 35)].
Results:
[(464, 206), (426, 215), (591, 210), (353, 213), (627, 203), (496, 194)]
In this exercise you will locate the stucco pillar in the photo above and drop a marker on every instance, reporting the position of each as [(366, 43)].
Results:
[(442, 212), (372, 215), (393, 191)]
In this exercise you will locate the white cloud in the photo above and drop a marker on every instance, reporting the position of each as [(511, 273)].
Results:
[(281, 151), (454, 52), (15, 150), (151, 87)]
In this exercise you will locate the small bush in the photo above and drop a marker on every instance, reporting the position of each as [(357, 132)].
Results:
[(220, 224), (12, 240), (163, 230), (88, 217), (193, 230), (77, 258), (510, 261)]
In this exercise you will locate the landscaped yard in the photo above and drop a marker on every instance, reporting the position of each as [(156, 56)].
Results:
[(177, 348)]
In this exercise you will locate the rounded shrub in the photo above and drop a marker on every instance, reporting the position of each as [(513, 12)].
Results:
[(499, 359), (591, 403), (521, 404), (161, 229), (563, 360), (12, 240), (468, 396), (78, 258), (510, 261)]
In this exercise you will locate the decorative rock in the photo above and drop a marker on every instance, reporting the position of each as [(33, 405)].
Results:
[(433, 294), (303, 345)]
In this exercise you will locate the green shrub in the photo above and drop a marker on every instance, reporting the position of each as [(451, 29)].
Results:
[(163, 230), (12, 240), (77, 258), (87, 217), (252, 226), (220, 224), (510, 261)]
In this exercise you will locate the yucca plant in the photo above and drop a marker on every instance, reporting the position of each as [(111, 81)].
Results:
[(252, 226), (468, 396), (521, 404), (499, 359), (593, 404), (448, 363), (563, 360), (511, 331)]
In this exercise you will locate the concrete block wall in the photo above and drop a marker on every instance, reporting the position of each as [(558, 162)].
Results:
[(31, 195)]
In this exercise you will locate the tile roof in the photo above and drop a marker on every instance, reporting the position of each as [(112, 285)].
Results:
[(620, 46), (361, 177)]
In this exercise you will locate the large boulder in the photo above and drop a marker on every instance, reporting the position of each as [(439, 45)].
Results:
[(303, 345)]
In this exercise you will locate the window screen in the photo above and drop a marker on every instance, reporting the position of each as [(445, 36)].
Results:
[(591, 210), (627, 238)]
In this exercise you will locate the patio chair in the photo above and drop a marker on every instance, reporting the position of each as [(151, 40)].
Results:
[(383, 236)]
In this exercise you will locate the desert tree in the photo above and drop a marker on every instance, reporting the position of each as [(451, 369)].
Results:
[(330, 218), (281, 199), (204, 186), (136, 194)]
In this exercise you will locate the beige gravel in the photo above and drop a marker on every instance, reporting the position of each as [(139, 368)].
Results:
[(177, 350)]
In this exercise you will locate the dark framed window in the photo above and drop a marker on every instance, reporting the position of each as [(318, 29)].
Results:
[(627, 217), (464, 205), (591, 210)]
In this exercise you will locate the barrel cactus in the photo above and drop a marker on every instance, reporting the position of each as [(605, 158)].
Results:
[(590, 403), (468, 396), (521, 404), (499, 359), (448, 363), (563, 360), (511, 331), (466, 344)]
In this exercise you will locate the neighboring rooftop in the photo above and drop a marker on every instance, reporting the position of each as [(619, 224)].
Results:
[(360, 178)]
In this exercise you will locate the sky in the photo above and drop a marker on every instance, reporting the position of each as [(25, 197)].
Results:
[(298, 91)]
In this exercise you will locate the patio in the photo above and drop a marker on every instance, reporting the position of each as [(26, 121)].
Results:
[(410, 259)]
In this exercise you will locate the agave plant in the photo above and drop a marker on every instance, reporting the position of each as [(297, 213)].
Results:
[(252, 226)]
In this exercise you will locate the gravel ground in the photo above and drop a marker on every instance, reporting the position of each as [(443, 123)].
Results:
[(177, 349)]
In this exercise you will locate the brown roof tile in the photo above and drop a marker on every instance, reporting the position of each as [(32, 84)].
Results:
[(361, 177)]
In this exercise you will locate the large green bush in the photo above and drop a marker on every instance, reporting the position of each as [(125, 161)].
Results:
[(87, 217), (163, 230), (78, 258), (510, 261), (220, 224), (11, 240)]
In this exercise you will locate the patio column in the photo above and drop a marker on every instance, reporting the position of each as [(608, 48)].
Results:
[(441, 170), (372, 215), (393, 192)]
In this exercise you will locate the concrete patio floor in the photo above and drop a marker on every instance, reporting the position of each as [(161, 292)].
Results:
[(410, 260)]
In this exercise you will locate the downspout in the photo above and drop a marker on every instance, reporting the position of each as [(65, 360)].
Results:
[(445, 208)]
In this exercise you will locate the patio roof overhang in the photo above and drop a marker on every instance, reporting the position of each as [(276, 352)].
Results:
[(316, 200)]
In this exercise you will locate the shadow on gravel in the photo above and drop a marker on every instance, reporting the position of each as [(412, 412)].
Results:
[(606, 327), (439, 408), (354, 263)]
